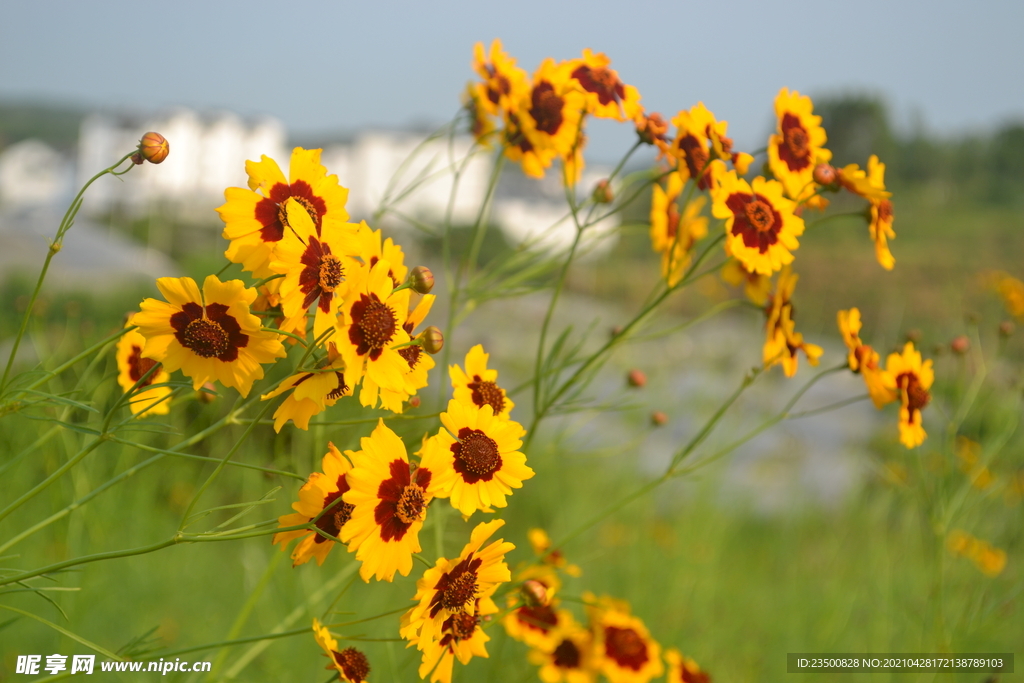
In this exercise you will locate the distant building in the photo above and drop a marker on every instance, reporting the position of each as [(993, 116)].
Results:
[(34, 174)]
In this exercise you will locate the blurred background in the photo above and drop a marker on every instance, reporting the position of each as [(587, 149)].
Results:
[(809, 538)]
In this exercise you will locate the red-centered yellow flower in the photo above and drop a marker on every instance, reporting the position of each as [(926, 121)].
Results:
[(881, 216), (624, 649), (911, 378), (756, 287), (376, 248), (370, 328), (552, 116), (209, 335), (683, 669), (461, 637), (797, 146), (390, 503), (693, 145), (863, 359), (311, 392), (317, 264), (255, 219), (671, 234), (131, 367), (351, 664), (570, 658), (477, 385), (519, 145), (461, 586), (761, 228), (536, 626), (478, 457), (481, 120), (321, 490), (652, 130), (782, 348), (504, 82), (607, 96), (1009, 289), (419, 361)]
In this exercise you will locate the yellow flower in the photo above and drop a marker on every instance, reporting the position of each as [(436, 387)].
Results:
[(761, 228), (321, 490), (683, 669), (351, 664), (692, 145), (782, 340), (477, 457), (459, 587), (551, 118), (671, 234), (541, 543), (570, 657), (624, 649), (481, 121), (652, 130), (209, 335), (461, 637), (317, 264), (797, 146), (312, 392), (268, 300), (370, 328), (756, 286), (871, 186), (131, 367), (419, 364), (863, 359), (1010, 290), (389, 505), (477, 385), (908, 375), (535, 626), (520, 148), (504, 83), (606, 95), (255, 219)]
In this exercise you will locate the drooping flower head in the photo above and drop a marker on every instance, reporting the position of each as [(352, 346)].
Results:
[(208, 335), (694, 146), (389, 502), (911, 378), (477, 457), (683, 669), (311, 392), (322, 491), (624, 649), (781, 339), (653, 130), (607, 96), (481, 120), (132, 367), (863, 359), (798, 144), (351, 664), (881, 216), (761, 228), (674, 235), (477, 385), (255, 219)]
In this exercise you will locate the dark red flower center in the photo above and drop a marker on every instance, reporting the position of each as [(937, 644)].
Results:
[(884, 211), (402, 500), (338, 515), (795, 149), (476, 456), (463, 625), (487, 394), (917, 397), (209, 332), (602, 82), (354, 663), (457, 587), (688, 675), (567, 655), (697, 159), (759, 214), (139, 366), (374, 325), (541, 618), (547, 108), (625, 647), (755, 220)]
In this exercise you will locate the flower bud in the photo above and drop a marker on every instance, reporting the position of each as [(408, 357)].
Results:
[(658, 418), (651, 129), (960, 345), (1006, 328), (636, 378), (535, 593), (431, 340), (421, 279), (603, 192), (414, 402), (154, 147), (825, 174)]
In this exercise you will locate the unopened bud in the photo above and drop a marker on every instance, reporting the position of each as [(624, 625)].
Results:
[(535, 593), (1006, 328), (414, 402), (154, 147), (421, 279), (658, 418), (207, 393), (913, 335), (651, 129), (825, 174), (960, 345), (603, 192), (431, 340), (636, 378)]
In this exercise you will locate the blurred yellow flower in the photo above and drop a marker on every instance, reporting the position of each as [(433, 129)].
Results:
[(606, 95), (911, 378), (797, 146), (131, 367)]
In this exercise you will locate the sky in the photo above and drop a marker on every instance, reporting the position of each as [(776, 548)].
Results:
[(342, 66)]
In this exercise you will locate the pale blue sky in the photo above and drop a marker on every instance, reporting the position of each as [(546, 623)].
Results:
[(344, 65)]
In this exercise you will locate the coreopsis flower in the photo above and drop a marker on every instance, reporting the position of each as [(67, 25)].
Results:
[(797, 146), (607, 97), (419, 361), (519, 145), (481, 120), (459, 587), (131, 367), (986, 557), (551, 116), (653, 130), (351, 664), (370, 329), (479, 462), (881, 216), (1010, 290), (389, 502), (761, 228), (683, 669), (503, 81), (911, 379), (318, 265), (461, 638), (570, 657), (255, 218), (321, 491), (672, 235), (863, 359), (781, 340), (311, 392), (756, 286), (477, 385), (697, 143), (208, 335), (535, 624), (623, 648)]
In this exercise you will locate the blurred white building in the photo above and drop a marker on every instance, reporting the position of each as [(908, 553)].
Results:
[(34, 174)]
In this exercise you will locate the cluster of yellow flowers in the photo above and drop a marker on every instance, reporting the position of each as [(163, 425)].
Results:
[(987, 558)]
